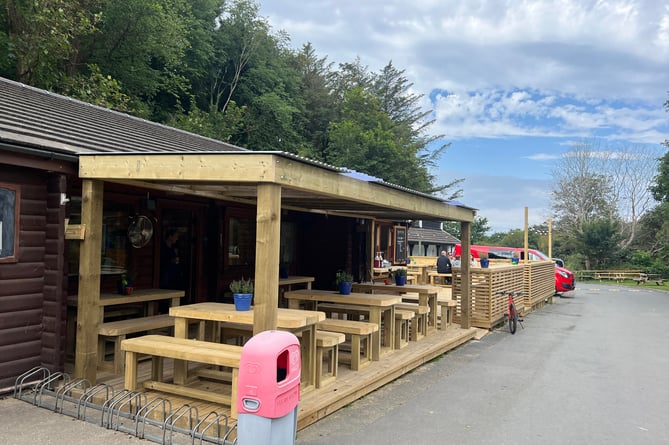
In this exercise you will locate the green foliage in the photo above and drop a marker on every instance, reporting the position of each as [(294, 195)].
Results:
[(660, 188), (599, 242), (343, 276), (242, 286), (478, 229), (401, 272), (216, 69)]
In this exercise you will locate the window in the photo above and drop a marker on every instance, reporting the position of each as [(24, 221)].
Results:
[(241, 241), (10, 197)]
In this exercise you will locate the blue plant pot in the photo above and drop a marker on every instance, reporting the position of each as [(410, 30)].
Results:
[(345, 288), (400, 280), (243, 301), (485, 263)]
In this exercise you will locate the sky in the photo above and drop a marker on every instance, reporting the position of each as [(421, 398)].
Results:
[(513, 85)]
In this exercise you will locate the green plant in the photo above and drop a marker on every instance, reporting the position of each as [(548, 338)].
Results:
[(242, 286), (343, 277), (483, 255), (400, 272)]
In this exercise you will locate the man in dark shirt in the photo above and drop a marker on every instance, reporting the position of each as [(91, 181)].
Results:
[(444, 265)]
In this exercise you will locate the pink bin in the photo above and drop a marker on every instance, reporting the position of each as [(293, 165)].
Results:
[(269, 375)]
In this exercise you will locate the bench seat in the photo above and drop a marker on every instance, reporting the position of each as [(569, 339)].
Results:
[(162, 346), (447, 309), (116, 331), (327, 347), (360, 332), (419, 324), (350, 311), (403, 320)]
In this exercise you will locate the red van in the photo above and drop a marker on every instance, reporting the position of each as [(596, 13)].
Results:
[(564, 278)]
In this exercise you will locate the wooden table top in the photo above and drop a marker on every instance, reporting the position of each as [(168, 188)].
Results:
[(295, 280), (286, 319), (359, 299), (420, 288), (137, 296)]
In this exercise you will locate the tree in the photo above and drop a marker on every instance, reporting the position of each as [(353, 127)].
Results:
[(319, 105), (478, 229), (599, 243), (42, 37), (582, 191)]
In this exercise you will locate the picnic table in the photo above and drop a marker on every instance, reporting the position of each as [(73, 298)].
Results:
[(380, 307), (293, 320), (427, 295)]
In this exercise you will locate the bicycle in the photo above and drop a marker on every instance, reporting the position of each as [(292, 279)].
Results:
[(512, 313)]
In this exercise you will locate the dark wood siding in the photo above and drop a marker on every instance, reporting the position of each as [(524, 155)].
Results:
[(31, 289)]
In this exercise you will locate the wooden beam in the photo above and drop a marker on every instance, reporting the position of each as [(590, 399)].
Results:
[(465, 264), (268, 245), (258, 167), (88, 306)]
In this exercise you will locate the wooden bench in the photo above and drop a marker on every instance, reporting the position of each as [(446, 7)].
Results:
[(116, 331), (327, 347), (162, 346), (360, 333), (402, 321), (447, 308), (344, 311), (444, 279), (419, 323)]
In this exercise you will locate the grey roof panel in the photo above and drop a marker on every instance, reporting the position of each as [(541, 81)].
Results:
[(43, 119)]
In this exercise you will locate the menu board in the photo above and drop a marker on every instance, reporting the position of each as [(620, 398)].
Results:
[(400, 243)]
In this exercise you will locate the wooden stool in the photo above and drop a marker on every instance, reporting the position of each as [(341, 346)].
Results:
[(419, 323), (360, 333), (402, 321), (327, 346), (447, 308)]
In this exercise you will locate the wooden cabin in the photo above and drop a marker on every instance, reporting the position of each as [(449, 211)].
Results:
[(74, 178)]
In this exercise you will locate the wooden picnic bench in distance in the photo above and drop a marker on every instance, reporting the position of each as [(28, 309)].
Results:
[(163, 346)]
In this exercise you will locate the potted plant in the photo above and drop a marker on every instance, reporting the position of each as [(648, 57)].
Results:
[(400, 276), (390, 277), (344, 282), (514, 258), (483, 257), (242, 292)]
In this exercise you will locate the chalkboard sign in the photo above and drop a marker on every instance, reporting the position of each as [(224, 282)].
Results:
[(9, 215), (400, 244)]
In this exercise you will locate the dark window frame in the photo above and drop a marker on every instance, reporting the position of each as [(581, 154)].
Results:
[(6, 189)]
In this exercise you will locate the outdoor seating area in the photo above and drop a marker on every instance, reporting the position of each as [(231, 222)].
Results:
[(361, 330)]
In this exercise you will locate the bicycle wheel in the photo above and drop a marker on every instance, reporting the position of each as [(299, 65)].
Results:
[(513, 318)]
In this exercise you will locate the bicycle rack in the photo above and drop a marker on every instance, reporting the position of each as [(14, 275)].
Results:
[(126, 411)]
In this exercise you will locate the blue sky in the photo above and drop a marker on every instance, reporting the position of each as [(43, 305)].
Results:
[(513, 84)]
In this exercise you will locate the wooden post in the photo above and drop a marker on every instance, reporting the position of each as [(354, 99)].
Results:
[(527, 233), (88, 305), (465, 267), (550, 238), (268, 246)]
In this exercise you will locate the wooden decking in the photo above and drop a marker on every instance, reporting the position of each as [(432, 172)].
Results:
[(348, 387)]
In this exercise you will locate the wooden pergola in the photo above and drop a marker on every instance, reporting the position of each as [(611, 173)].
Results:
[(270, 181)]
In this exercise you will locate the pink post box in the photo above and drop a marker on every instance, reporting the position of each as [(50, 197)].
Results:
[(269, 375)]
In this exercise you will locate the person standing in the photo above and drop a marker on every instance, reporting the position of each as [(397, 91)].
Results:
[(170, 272), (444, 265)]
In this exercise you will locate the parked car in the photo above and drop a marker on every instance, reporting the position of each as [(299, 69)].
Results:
[(564, 278)]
